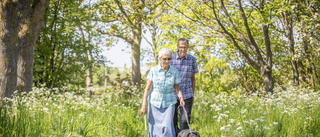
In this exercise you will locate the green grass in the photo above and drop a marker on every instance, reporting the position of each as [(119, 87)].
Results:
[(45, 112)]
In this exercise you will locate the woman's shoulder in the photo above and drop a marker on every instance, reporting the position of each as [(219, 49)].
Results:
[(174, 69), (154, 68)]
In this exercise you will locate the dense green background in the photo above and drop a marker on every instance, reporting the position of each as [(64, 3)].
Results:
[(76, 29)]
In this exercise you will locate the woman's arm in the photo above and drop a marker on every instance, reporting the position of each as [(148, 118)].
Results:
[(179, 94), (145, 96)]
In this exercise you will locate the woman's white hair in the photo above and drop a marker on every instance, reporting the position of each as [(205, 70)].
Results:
[(165, 51)]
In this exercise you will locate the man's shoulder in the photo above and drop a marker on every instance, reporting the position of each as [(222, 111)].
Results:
[(191, 57), (174, 56)]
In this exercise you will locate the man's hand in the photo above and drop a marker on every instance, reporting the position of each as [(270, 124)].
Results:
[(182, 103)]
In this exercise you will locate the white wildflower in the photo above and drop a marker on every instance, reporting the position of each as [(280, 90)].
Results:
[(231, 120), (309, 118), (238, 127), (244, 111), (46, 110), (217, 109), (223, 128), (82, 114), (218, 120)]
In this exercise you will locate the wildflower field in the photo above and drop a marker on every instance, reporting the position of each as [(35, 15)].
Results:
[(47, 112)]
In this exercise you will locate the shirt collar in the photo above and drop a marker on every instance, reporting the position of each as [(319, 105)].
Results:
[(177, 57), (159, 69)]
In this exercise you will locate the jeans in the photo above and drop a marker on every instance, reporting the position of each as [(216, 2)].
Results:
[(183, 120)]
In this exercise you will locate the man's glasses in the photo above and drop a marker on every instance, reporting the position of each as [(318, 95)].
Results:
[(165, 59)]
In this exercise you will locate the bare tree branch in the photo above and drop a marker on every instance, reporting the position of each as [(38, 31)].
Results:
[(250, 61), (121, 18), (245, 20), (114, 35), (148, 41), (124, 13)]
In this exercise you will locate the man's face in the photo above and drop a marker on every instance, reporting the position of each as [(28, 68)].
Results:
[(183, 48)]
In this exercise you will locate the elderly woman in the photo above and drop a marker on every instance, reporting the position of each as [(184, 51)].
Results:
[(163, 81)]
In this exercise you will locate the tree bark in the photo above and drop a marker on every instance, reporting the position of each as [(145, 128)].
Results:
[(288, 26), (307, 56), (31, 21), (306, 44), (19, 28), (8, 47), (89, 81), (88, 56), (267, 66), (314, 66), (302, 71), (135, 56)]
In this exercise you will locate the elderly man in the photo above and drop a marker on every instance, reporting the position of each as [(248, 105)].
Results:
[(187, 66)]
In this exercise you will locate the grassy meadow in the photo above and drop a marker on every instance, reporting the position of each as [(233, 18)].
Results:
[(54, 112)]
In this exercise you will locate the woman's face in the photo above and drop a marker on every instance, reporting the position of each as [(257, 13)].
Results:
[(165, 60)]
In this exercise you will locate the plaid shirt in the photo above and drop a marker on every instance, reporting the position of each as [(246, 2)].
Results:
[(162, 92), (186, 67)]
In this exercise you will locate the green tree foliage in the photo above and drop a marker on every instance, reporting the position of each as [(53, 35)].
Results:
[(124, 20), (216, 76), (241, 26), (308, 35), (265, 42), (251, 44), (63, 45)]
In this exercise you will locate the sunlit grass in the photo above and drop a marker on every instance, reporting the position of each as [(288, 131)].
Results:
[(294, 112), (47, 112)]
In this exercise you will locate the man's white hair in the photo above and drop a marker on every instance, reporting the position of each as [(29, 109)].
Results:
[(165, 51)]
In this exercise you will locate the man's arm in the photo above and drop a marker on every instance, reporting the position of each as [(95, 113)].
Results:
[(193, 80)]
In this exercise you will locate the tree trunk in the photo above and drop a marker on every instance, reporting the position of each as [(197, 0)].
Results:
[(302, 71), (293, 61), (266, 69), (268, 79), (89, 81), (135, 55), (314, 66), (20, 25), (88, 56), (307, 56), (8, 47), (288, 21), (31, 22)]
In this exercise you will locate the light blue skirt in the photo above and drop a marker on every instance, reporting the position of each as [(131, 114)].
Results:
[(161, 121)]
